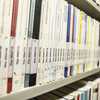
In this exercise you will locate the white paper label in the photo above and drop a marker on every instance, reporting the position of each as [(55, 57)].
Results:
[(34, 56)]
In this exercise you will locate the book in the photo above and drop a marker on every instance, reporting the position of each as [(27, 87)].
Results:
[(72, 51), (29, 43), (65, 18), (79, 67), (71, 34), (7, 29), (74, 42), (33, 48), (76, 94), (18, 46), (67, 68), (77, 41), (82, 42), (35, 43), (50, 38), (12, 43), (2, 18), (24, 31), (5, 47), (93, 82)]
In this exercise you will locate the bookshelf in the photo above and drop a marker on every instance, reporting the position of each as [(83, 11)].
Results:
[(39, 90), (88, 6)]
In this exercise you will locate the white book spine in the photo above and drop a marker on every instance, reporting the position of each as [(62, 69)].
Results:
[(25, 20), (40, 44), (46, 40), (6, 39), (18, 49), (1, 7), (49, 40)]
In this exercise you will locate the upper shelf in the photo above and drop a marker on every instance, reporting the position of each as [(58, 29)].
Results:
[(38, 90), (88, 6)]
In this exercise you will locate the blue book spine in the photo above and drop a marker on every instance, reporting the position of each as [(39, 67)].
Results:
[(86, 95), (68, 36), (66, 72), (90, 94), (72, 71), (65, 21), (68, 23), (31, 18), (75, 25), (82, 96)]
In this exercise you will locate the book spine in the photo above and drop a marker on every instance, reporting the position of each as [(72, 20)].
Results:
[(35, 46), (6, 18), (33, 50), (17, 70), (72, 66), (76, 31), (50, 41), (46, 40), (88, 28), (1, 13), (65, 18), (29, 42), (59, 42), (80, 25), (12, 43), (70, 44), (74, 43), (84, 67), (66, 72), (39, 75), (82, 43), (2, 47), (23, 37)]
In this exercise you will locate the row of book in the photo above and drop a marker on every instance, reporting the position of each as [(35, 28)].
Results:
[(88, 89), (42, 41)]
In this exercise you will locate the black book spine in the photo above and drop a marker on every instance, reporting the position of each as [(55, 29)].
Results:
[(35, 43)]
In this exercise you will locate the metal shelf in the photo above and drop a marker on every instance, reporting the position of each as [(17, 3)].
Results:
[(88, 6), (38, 90)]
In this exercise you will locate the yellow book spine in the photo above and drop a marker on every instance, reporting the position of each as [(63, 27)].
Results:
[(88, 30), (80, 25)]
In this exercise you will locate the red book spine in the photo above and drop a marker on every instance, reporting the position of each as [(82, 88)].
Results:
[(16, 13), (14, 17), (73, 24), (72, 34), (13, 34), (9, 89), (78, 98)]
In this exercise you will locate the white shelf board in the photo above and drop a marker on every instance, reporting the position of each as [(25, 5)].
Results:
[(88, 6), (38, 90)]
